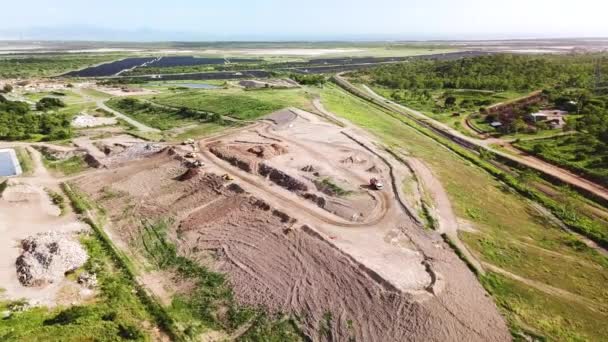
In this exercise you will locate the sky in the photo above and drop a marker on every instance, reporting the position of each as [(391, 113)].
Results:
[(202, 20)]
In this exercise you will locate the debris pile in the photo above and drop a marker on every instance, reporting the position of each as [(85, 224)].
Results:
[(47, 257), (85, 120)]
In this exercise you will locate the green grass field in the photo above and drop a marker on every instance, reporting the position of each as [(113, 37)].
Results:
[(65, 167), (236, 103), (510, 232)]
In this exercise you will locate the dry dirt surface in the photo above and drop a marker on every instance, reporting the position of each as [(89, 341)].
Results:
[(25, 211), (373, 276)]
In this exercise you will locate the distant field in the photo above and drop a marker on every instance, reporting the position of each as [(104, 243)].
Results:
[(48, 65), (237, 103), (509, 232)]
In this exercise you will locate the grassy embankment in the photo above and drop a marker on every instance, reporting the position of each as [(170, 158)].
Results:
[(509, 233), (25, 160)]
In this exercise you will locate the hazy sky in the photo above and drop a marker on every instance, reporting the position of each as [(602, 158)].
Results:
[(302, 19)]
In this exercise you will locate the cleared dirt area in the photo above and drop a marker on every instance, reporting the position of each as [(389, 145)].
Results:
[(347, 260), (21, 200)]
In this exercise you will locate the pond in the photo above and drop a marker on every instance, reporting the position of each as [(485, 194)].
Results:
[(9, 165)]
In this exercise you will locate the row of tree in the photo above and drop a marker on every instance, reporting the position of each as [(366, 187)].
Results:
[(496, 72)]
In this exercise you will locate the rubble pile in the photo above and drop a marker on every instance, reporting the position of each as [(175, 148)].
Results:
[(47, 257)]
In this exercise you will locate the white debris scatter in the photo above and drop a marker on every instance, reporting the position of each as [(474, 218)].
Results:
[(85, 120), (47, 257)]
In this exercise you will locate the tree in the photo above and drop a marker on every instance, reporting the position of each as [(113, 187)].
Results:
[(49, 103), (450, 101), (7, 88)]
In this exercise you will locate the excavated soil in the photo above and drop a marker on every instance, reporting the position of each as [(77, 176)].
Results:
[(381, 282)]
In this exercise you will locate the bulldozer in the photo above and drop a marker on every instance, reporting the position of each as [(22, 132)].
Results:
[(376, 184)]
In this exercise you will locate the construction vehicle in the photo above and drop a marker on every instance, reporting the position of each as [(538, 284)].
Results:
[(197, 163), (188, 142), (227, 177), (190, 155), (374, 183)]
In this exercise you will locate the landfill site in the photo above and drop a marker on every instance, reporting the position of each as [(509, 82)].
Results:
[(306, 217)]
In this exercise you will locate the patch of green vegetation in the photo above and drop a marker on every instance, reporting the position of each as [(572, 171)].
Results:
[(3, 186), (325, 326), (237, 103), (328, 186), (49, 103), (69, 166), (48, 65), (57, 200), (25, 160), (478, 196), (535, 313), (272, 330), (156, 116)]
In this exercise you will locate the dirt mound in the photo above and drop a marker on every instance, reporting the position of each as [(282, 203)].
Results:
[(92, 161), (309, 168), (47, 257), (133, 152), (353, 160), (281, 178), (189, 174), (241, 162), (267, 151), (373, 169)]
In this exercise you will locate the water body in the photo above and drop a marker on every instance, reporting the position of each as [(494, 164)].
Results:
[(9, 166)]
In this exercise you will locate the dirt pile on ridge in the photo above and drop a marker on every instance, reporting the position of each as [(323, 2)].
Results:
[(47, 257)]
